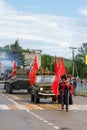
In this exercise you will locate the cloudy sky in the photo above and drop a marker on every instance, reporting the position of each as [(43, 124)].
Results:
[(48, 25)]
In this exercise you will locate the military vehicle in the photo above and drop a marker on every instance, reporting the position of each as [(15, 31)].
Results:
[(42, 88), (19, 81)]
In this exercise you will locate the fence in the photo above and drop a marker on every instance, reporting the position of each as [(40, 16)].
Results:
[(81, 88)]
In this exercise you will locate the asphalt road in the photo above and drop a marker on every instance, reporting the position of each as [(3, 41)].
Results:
[(18, 113)]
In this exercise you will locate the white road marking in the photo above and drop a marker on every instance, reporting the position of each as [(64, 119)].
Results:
[(78, 107), (4, 107), (37, 116), (57, 128), (22, 107)]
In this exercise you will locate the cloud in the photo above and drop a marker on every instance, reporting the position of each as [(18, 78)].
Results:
[(41, 31), (83, 11)]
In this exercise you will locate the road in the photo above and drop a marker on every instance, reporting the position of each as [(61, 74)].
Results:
[(18, 113)]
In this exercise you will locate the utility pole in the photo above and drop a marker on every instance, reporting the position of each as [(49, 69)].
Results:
[(73, 62)]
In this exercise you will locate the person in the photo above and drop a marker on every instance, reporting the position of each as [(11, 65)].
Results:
[(47, 71), (74, 86), (66, 84), (40, 71), (60, 96)]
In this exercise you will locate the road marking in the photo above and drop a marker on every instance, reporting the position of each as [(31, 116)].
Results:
[(14, 97), (32, 113), (40, 106), (13, 107), (32, 106), (78, 107), (21, 107), (46, 106), (4, 107), (16, 106)]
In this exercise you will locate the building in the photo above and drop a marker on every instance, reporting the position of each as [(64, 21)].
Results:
[(29, 57)]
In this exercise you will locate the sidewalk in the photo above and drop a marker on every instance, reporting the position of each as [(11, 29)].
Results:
[(82, 94)]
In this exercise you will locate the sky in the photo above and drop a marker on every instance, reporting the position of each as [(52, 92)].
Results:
[(52, 26)]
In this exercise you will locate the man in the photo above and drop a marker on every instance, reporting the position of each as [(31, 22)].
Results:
[(62, 81), (74, 86), (65, 84)]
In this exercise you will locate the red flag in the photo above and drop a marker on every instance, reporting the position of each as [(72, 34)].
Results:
[(35, 64), (32, 73), (56, 66), (13, 73), (60, 71), (55, 86), (62, 68), (14, 65), (32, 77), (14, 69)]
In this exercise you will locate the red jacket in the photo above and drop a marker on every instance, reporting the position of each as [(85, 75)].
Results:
[(70, 87)]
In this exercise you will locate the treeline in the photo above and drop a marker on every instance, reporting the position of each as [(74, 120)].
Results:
[(80, 67)]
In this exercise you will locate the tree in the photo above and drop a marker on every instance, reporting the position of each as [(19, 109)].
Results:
[(6, 48), (82, 51), (15, 47), (47, 61), (80, 60), (16, 51)]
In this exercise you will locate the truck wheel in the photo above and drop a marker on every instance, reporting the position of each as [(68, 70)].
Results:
[(53, 99), (9, 89), (36, 98), (6, 89), (32, 98), (29, 90), (5, 86)]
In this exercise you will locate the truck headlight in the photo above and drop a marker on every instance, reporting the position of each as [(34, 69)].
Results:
[(41, 89)]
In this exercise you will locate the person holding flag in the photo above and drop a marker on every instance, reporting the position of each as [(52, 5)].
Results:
[(65, 85), (58, 87)]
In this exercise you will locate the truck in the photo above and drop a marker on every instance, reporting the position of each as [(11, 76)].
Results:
[(19, 81), (42, 88)]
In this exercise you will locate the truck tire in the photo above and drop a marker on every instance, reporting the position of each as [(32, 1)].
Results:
[(32, 98), (6, 89), (36, 98), (5, 86), (9, 89), (53, 99), (29, 90)]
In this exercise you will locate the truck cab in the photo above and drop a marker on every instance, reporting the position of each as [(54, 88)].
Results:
[(42, 88)]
